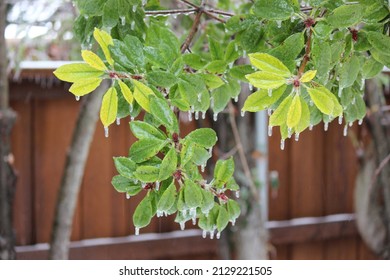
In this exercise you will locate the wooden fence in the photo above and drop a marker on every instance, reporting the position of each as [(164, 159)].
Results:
[(316, 174)]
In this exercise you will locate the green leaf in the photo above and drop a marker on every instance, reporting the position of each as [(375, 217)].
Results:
[(187, 152), (93, 60), (162, 79), (204, 137), (345, 16), (125, 185), (269, 63), (212, 81), (274, 10), (288, 51), (192, 194), (379, 41), (125, 166), (77, 72), (240, 71), (260, 100), (266, 80), (143, 213), (322, 98), (168, 165), (279, 117), (109, 108), (223, 171), (349, 72), (294, 112), (144, 130), (222, 219), (308, 76), (232, 185), (167, 199), (104, 40), (85, 86), (233, 210), (145, 149), (321, 56), (371, 68), (200, 155), (194, 61), (147, 174), (110, 13), (216, 50), (207, 201), (216, 67), (142, 94), (160, 109), (251, 38), (304, 122), (126, 92)]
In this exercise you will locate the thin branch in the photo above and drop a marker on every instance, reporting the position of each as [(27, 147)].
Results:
[(219, 12), (193, 30), (381, 166), (170, 12), (190, 4), (241, 152), (207, 12), (306, 57)]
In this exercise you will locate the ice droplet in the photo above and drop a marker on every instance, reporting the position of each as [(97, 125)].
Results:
[(311, 127), (233, 222), (128, 196), (134, 8), (326, 126), (340, 91), (202, 167), (182, 225), (203, 115), (211, 234), (157, 185), (132, 25), (211, 151), (106, 131), (123, 20), (190, 116), (340, 119), (237, 194), (270, 92), (77, 98), (192, 109), (311, 102), (118, 121), (269, 131), (132, 118), (353, 101), (199, 97), (279, 23), (204, 233), (136, 230), (197, 115), (345, 132), (236, 99), (215, 117), (131, 108), (194, 221), (350, 124), (242, 113), (218, 235), (250, 87), (363, 84), (297, 137), (289, 132), (174, 16), (282, 144), (360, 122)]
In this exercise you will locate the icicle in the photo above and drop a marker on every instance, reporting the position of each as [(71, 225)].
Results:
[(236, 99), (211, 151), (340, 91), (340, 119), (158, 214), (233, 222), (215, 117), (203, 115), (282, 144), (77, 98), (289, 132), (128, 196), (326, 126), (345, 133), (211, 234), (131, 108), (134, 8), (197, 115), (270, 92), (132, 118), (118, 121), (192, 109), (360, 122), (194, 220), (311, 127), (202, 167), (132, 26), (199, 97), (190, 116), (157, 185), (269, 131), (297, 137), (242, 113), (250, 87), (363, 84), (136, 230), (218, 235), (279, 23), (123, 20), (204, 233), (182, 225), (350, 124), (106, 131), (269, 111), (237, 194)]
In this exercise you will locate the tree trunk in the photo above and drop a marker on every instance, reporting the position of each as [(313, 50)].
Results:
[(7, 174), (73, 174)]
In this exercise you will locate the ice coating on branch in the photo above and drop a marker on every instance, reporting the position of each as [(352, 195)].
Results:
[(282, 144), (136, 231), (269, 130), (106, 131)]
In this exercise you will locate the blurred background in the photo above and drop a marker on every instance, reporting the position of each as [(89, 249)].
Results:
[(311, 194)]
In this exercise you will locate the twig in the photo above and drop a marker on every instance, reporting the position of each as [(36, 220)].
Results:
[(209, 14), (241, 152), (219, 12), (170, 12), (232, 152), (381, 166), (190, 4), (306, 57), (193, 30)]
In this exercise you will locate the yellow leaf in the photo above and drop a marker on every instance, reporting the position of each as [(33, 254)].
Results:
[(104, 40), (85, 86), (269, 63), (142, 94), (266, 80), (294, 112), (308, 76), (76, 72), (127, 94), (93, 60), (109, 108)]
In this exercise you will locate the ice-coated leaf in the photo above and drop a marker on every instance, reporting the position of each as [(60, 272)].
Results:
[(144, 130), (294, 112), (77, 72), (261, 99), (168, 165), (143, 213), (232, 185), (125, 166), (322, 98), (379, 41), (109, 108), (192, 194), (304, 122), (162, 79), (125, 185), (345, 16), (233, 210), (222, 219), (349, 72), (187, 152), (269, 63), (147, 174), (212, 81), (142, 94), (266, 80), (85, 86), (274, 10), (371, 68), (145, 149), (279, 117), (167, 199), (223, 171), (104, 40), (308, 76), (126, 92), (204, 137), (160, 109), (93, 60), (207, 201)]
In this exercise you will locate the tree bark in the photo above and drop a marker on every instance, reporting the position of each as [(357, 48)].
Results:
[(7, 174), (73, 174)]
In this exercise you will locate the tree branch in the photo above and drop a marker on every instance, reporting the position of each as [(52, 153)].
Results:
[(193, 30), (170, 12), (306, 57)]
